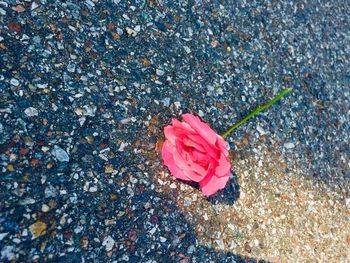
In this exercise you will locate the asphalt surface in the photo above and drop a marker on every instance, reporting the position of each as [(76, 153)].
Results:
[(86, 88)]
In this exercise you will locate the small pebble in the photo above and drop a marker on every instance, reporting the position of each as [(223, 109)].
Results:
[(60, 154), (108, 243), (289, 145), (93, 189), (3, 235), (191, 249), (37, 229), (260, 130), (160, 72), (14, 82), (131, 32), (27, 201), (71, 68), (7, 253), (187, 201), (31, 112), (45, 208), (166, 102), (34, 5)]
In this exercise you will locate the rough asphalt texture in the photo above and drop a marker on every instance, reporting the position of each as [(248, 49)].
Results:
[(86, 88)]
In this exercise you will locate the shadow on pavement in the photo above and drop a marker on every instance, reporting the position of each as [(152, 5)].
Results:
[(158, 233)]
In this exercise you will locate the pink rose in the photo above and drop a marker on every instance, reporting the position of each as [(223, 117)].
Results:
[(194, 152)]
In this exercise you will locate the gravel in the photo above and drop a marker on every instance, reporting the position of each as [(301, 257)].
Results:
[(86, 88)]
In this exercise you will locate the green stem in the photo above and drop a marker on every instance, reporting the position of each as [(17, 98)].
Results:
[(256, 111)]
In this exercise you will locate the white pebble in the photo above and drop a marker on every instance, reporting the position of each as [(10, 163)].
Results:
[(153, 230), (34, 6), (122, 146), (45, 149), (45, 208), (93, 189), (220, 243), (260, 130), (31, 112), (108, 242), (27, 201), (7, 253), (159, 72), (177, 104), (187, 49), (137, 28), (166, 102), (42, 86), (89, 3), (2, 235), (131, 32), (187, 201), (205, 216), (289, 145), (60, 154), (14, 82)]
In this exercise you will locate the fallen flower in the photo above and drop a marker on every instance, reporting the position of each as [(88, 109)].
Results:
[(194, 152)]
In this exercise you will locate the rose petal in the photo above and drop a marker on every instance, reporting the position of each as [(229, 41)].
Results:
[(192, 170), (182, 125), (170, 134), (223, 167), (177, 130), (167, 156), (193, 144), (222, 144), (202, 128), (199, 157), (208, 148), (211, 184)]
